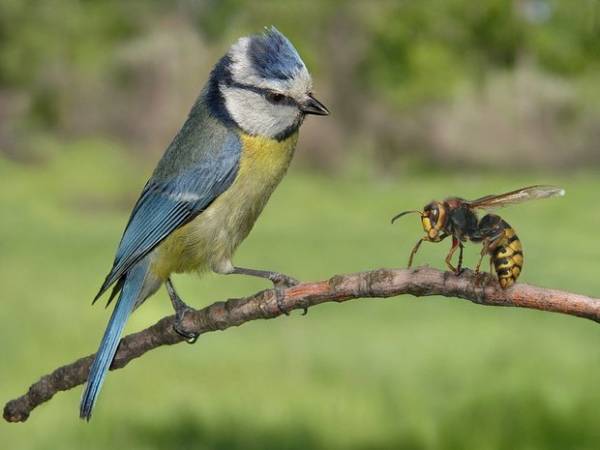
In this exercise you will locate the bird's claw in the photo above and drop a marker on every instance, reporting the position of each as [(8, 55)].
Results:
[(181, 309), (282, 281), (279, 300), (282, 309), (190, 336)]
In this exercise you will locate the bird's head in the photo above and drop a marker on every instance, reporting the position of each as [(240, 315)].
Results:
[(263, 86)]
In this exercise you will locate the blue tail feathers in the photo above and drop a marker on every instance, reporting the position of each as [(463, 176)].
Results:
[(132, 290)]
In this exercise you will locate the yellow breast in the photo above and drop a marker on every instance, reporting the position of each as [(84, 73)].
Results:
[(209, 241)]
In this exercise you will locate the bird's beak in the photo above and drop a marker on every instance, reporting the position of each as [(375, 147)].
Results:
[(313, 106)]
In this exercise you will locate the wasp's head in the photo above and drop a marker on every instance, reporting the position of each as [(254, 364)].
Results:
[(433, 220)]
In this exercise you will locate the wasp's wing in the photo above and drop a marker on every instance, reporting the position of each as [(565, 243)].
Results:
[(518, 196)]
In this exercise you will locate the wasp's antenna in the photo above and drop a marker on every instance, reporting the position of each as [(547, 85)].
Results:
[(405, 213)]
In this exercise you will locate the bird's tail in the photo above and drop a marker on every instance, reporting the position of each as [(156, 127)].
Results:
[(132, 290)]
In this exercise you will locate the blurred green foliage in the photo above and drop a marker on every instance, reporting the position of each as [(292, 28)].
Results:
[(395, 72), (460, 35), (425, 47), (35, 36)]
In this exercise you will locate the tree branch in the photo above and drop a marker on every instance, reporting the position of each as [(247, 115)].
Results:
[(272, 303)]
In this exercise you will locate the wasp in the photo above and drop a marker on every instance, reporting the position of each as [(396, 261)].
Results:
[(457, 217)]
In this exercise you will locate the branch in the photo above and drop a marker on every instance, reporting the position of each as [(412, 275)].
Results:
[(272, 303)]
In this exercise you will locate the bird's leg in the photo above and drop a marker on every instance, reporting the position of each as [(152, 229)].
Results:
[(180, 311), (279, 280)]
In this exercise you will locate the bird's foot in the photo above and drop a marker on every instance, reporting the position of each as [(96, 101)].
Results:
[(282, 281), (181, 310), (190, 336), (279, 299)]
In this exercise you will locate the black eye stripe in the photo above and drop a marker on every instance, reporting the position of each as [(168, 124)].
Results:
[(280, 99), (270, 96), (275, 97), (248, 87)]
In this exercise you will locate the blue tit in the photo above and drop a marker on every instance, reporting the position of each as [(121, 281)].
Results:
[(211, 184)]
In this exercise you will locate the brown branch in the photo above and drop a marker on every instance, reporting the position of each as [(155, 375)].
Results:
[(273, 302)]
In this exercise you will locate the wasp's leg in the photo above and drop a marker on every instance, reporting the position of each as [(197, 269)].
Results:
[(414, 251), (479, 277), (460, 257), (484, 251), (455, 244), (483, 276), (489, 246)]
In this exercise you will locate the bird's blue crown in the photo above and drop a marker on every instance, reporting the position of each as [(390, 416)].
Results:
[(266, 56), (273, 56)]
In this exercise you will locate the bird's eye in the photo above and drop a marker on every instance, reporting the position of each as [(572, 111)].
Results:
[(275, 97)]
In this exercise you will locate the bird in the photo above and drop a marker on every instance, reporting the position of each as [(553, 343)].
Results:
[(210, 185)]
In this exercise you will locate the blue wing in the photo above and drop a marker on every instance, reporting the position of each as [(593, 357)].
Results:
[(167, 204)]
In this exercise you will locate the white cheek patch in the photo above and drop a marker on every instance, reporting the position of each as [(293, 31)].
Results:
[(257, 116)]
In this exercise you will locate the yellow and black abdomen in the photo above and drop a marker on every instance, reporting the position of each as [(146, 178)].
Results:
[(507, 256)]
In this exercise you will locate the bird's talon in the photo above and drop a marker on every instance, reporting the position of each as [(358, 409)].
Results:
[(192, 339), (189, 337), (279, 301), (283, 281)]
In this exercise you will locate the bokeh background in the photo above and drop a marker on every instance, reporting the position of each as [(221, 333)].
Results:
[(429, 98)]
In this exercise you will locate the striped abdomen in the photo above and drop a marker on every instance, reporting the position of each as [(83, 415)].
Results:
[(507, 257)]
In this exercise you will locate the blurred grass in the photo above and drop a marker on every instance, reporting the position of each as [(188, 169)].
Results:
[(402, 373)]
